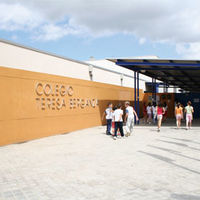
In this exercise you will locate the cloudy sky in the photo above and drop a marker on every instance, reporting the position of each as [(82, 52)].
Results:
[(104, 28)]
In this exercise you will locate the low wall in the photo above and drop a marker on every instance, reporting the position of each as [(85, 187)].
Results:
[(35, 105)]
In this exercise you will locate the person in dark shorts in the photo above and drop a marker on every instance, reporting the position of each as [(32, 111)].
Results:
[(118, 118)]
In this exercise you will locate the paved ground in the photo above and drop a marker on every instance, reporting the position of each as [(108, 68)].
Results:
[(88, 165)]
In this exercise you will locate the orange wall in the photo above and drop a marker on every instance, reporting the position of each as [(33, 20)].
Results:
[(35, 105)]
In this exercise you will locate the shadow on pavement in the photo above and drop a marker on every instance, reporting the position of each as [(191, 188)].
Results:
[(184, 197), (183, 140), (169, 161), (175, 143), (179, 144), (173, 152)]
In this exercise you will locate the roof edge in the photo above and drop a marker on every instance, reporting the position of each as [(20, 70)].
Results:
[(41, 51)]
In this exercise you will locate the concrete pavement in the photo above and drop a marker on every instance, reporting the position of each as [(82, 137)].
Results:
[(87, 164)]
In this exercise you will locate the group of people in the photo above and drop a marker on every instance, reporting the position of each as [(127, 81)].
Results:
[(155, 112), (159, 113), (179, 114), (116, 115), (150, 112)]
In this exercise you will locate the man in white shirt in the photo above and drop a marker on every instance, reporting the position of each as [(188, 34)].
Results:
[(129, 118), (118, 113), (108, 113)]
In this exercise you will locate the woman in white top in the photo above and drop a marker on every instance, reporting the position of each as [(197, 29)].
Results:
[(149, 113), (189, 110)]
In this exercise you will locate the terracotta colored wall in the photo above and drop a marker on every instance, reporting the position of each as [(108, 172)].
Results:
[(26, 112)]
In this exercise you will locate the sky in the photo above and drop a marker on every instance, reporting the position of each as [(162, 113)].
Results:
[(80, 29)]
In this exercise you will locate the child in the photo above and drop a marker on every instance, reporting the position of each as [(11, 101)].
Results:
[(129, 118), (109, 115), (113, 121), (160, 113), (183, 110), (154, 111), (144, 113), (149, 113), (118, 113), (178, 114), (189, 110), (166, 111)]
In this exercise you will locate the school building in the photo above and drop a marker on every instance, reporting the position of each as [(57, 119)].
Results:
[(44, 94)]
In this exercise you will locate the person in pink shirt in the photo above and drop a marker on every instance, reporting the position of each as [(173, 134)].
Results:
[(160, 113)]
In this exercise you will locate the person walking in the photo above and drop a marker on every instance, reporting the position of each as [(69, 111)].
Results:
[(183, 110), (154, 111), (178, 115), (118, 114), (108, 113), (160, 113), (144, 113), (189, 110), (130, 118), (149, 113), (166, 111), (113, 122)]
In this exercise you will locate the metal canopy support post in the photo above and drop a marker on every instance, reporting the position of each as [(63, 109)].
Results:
[(138, 95), (154, 90), (165, 88), (175, 89), (152, 85), (135, 90), (155, 99)]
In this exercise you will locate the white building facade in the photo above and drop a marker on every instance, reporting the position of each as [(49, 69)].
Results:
[(20, 57)]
